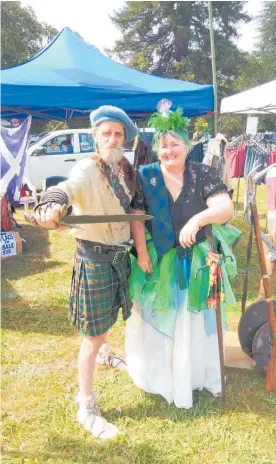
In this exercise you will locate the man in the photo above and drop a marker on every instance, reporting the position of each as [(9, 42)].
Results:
[(101, 184), (67, 146)]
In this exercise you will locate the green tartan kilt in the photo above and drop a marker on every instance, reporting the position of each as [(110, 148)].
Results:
[(98, 291)]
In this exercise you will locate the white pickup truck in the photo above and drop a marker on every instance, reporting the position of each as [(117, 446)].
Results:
[(57, 153)]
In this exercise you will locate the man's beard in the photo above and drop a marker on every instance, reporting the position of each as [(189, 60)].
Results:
[(112, 155)]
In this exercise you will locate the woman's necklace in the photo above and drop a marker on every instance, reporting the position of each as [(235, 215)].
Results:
[(176, 181)]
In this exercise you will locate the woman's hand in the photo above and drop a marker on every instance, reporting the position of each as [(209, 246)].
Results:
[(144, 262), (187, 236)]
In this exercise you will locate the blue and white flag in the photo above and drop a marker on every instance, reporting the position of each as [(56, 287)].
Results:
[(13, 151)]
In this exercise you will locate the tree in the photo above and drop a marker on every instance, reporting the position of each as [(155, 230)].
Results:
[(22, 36), (260, 66), (172, 39), (267, 28)]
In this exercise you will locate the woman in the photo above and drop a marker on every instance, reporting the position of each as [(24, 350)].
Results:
[(171, 345)]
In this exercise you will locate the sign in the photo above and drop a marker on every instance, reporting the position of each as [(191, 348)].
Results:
[(252, 125), (8, 244)]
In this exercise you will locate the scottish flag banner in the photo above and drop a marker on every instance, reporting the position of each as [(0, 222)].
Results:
[(13, 151)]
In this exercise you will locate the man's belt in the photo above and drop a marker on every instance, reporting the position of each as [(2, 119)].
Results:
[(107, 256)]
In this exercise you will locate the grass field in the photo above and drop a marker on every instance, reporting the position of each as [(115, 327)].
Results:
[(39, 379)]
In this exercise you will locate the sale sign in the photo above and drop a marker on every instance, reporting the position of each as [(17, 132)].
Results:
[(8, 244)]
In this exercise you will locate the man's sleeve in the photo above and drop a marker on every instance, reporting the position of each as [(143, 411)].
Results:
[(72, 191), (138, 201)]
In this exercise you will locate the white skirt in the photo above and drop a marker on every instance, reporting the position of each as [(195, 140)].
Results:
[(174, 367)]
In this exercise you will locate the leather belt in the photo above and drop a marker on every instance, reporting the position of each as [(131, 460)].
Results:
[(107, 256)]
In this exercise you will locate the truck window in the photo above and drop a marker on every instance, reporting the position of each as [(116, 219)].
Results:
[(61, 144), (86, 143)]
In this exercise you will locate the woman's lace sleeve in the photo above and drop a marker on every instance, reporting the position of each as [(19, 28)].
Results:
[(212, 184), (138, 201)]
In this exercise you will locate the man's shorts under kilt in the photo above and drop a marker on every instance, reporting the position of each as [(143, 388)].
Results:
[(98, 291)]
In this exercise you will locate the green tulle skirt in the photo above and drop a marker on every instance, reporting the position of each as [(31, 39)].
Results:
[(178, 271)]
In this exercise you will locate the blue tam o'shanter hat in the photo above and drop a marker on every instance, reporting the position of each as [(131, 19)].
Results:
[(112, 113)]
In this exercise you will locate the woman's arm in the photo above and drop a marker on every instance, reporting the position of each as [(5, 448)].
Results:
[(138, 232), (219, 210)]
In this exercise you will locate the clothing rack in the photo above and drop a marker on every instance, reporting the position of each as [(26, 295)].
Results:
[(232, 144), (235, 143)]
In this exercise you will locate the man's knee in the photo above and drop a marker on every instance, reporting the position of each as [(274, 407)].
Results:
[(93, 343)]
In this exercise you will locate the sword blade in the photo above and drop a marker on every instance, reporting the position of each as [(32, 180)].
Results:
[(105, 218)]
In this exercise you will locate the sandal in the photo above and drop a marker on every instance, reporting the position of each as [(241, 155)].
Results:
[(114, 361)]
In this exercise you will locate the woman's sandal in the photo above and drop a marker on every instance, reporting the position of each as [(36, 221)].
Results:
[(114, 361)]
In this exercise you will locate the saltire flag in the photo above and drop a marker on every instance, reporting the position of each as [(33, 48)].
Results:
[(13, 153)]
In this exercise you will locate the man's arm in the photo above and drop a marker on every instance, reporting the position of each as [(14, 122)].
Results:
[(49, 211)]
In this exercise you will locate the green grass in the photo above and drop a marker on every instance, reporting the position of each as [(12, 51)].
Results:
[(39, 379)]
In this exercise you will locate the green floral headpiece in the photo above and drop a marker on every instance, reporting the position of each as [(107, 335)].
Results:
[(165, 121)]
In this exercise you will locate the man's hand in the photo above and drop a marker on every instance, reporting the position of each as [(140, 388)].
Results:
[(49, 215), (187, 236), (144, 262)]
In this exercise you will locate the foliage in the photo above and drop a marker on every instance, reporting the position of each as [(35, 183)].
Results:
[(172, 39), (22, 35), (258, 69), (267, 28), (79, 123), (200, 126), (56, 125), (232, 124)]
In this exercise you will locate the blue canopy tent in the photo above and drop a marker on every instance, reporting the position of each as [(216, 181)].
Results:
[(69, 78)]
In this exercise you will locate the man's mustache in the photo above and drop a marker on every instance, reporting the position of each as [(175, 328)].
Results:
[(112, 155)]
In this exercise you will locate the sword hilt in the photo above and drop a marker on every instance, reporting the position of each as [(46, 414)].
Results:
[(31, 219)]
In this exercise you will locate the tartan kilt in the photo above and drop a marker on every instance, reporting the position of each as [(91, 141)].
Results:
[(98, 291)]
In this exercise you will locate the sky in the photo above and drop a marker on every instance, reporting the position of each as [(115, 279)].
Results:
[(90, 19)]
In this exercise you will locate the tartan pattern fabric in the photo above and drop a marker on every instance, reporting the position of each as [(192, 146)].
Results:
[(158, 206), (117, 187), (98, 291), (216, 293)]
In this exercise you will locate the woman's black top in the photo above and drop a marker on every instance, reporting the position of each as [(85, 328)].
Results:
[(200, 183)]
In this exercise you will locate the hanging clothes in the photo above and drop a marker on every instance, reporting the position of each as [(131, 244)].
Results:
[(236, 160), (255, 156), (6, 214), (197, 153), (272, 157), (216, 157), (271, 189), (142, 153)]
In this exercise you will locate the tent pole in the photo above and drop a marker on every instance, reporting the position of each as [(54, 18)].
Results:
[(214, 72)]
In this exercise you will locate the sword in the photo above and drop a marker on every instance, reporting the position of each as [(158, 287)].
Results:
[(73, 222)]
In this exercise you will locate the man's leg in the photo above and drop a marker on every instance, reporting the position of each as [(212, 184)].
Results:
[(87, 362), (89, 413)]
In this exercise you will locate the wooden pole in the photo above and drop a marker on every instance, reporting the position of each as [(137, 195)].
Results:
[(214, 71), (210, 239), (271, 369)]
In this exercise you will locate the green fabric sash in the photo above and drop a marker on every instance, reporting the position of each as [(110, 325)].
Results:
[(156, 291)]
